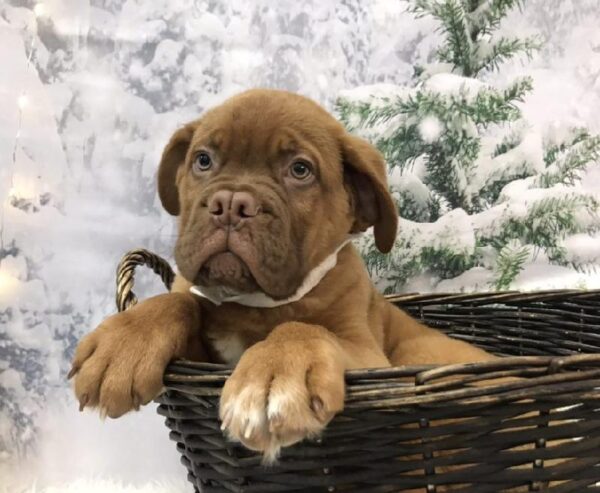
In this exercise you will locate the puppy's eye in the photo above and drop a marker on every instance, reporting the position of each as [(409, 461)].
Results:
[(202, 162), (301, 170)]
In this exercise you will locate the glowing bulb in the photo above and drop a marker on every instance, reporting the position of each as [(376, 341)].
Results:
[(23, 101), (23, 187), (7, 282), (39, 9)]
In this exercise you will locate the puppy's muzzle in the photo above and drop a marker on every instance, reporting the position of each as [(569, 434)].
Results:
[(232, 209)]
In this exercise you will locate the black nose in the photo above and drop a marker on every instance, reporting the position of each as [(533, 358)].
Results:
[(231, 208)]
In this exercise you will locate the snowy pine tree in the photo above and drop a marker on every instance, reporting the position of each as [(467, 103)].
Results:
[(480, 192)]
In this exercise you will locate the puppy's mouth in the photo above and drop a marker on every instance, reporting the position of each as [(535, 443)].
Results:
[(257, 257), (231, 259), (226, 269)]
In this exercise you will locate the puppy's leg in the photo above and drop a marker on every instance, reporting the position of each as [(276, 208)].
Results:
[(289, 386), (120, 365), (409, 342)]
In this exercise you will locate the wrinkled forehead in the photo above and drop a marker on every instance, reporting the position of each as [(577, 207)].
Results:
[(258, 125)]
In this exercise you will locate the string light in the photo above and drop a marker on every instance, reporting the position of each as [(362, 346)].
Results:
[(8, 283), (39, 10), (23, 101), (22, 104)]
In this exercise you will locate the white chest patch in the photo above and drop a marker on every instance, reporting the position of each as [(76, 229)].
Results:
[(229, 347)]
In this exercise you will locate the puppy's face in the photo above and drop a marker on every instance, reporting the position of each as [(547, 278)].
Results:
[(266, 186)]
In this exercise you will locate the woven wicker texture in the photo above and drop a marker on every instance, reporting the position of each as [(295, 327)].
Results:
[(125, 274), (467, 428)]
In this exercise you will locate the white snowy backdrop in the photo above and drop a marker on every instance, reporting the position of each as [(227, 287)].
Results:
[(90, 92)]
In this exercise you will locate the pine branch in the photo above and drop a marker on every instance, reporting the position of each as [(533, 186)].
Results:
[(518, 90), (585, 267), (492, 106), (553, 218), (508, 142), (448, 159), (447, 166), (353, 115), (472, 5), (466, 24), (488, 106), (511, 160), (409, 207), (395, 270), (566, 165), (458, 48), (414, 253), (446, 263), (553, 151), (557, 255), (548, 221), (509, 263), (402, 147), (488, 15), (437, 206), (489, 194), (490, 56)]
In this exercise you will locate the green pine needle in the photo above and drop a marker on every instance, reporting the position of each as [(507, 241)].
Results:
[(567, 163), (509, 263), (487, 16), (502, 50)]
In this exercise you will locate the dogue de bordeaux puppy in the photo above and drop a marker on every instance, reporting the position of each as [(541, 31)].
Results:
[(268, 189)]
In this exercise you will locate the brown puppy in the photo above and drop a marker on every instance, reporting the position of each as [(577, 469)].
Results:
[(267, 187)]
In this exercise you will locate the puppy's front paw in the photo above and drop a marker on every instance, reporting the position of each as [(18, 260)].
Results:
[(282, 392), (120, 365)]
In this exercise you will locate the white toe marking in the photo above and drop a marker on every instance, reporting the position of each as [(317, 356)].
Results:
[(282, 401), (278, 401), (244, 413)]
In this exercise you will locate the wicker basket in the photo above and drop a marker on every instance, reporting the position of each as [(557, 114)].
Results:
[(414, 428)]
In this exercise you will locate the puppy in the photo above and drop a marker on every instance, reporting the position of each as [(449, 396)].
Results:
[(268, 189)]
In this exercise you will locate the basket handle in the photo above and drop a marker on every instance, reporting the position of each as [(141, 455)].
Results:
[(125, 297)]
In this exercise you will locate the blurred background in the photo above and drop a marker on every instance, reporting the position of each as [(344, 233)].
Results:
[(90, 91)]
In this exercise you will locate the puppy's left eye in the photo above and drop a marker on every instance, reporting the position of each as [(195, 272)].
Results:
[(202, 162), (301, 170)]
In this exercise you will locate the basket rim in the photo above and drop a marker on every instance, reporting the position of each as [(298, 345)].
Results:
[(493, 296), (216, 372), (384, 388)]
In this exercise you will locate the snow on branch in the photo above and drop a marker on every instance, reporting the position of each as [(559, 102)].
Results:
[(486, 17), (490, 55), (566, 163), (454, 24)]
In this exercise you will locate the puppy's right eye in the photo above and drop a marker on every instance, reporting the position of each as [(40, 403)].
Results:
[(202, 162), (300, 170)]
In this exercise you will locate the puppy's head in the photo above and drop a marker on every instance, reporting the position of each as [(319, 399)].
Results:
[(266, 186)]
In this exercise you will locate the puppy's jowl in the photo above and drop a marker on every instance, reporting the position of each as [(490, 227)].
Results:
[(268, 189)]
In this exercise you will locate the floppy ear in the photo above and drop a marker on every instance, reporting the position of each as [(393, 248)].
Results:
[(365, 171), (173, 157)]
